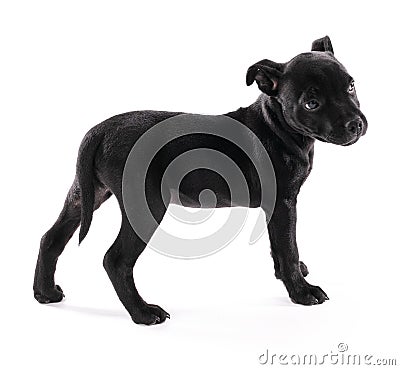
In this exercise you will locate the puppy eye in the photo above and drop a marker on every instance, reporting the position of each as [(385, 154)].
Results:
[(351, 88), (312, 105)]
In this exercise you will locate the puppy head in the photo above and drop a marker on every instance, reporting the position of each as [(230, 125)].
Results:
[(317, 94)]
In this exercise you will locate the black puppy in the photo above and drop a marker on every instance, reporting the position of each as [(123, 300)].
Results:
[(310, 97)]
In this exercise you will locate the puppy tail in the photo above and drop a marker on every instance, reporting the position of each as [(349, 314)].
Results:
[(86, 177)]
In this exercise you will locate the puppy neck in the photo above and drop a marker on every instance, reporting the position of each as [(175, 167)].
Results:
[(271, 111)]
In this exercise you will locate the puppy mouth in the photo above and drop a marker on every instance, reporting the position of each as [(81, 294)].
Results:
[(346, 142), (353, 141), (330, 137), (321, 138)]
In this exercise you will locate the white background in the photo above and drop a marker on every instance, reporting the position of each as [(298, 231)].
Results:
[(67, 66)]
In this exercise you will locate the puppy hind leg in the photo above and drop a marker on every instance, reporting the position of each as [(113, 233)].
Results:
[(53, 243), (119, 262)]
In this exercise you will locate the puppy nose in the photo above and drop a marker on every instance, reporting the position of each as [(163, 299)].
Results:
[(355, 126)]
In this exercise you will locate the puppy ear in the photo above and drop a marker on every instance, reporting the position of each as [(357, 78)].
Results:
[(322, 44), (267, 74)]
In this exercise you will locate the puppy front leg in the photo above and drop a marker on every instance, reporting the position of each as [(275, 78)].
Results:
[(282, 234)]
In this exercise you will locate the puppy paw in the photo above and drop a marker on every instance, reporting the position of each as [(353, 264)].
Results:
[(150, 314), (303, 269), (49, 296), (308, 295)]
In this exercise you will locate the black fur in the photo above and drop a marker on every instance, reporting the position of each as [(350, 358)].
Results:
[(310, 97)]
